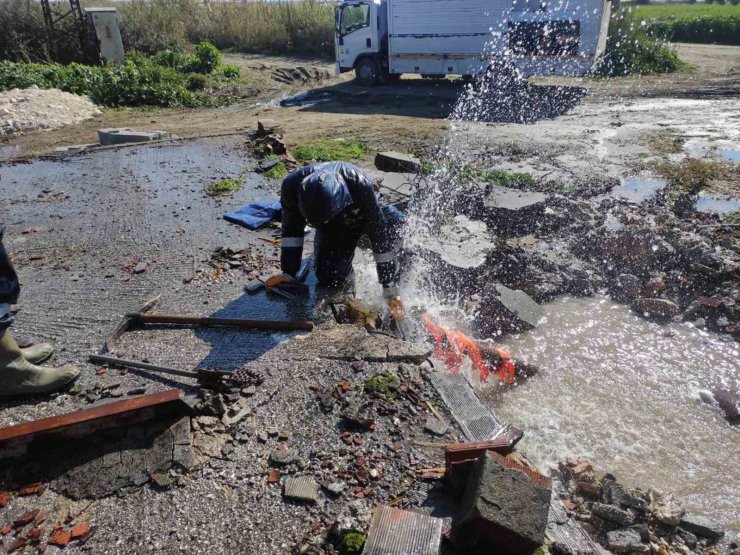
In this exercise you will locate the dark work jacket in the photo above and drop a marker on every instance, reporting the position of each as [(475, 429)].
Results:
[(352, 198), (9, 288)]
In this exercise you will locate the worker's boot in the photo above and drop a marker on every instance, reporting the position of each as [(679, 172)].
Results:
[(20, 377), (36, 354)]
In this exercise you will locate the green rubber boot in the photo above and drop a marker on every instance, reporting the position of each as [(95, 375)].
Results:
[(20, 377), (36, 354)]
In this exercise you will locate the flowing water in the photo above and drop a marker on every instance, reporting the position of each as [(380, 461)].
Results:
[(622, 391)]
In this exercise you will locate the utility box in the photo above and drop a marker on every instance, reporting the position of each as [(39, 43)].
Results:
[(103, 23)]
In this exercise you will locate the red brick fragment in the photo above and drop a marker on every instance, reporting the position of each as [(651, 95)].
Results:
[(16, 544), (41, 517), (283, 436), (282, 447), (80, 530), (6, 529), (60, 538), (5, 497), (25, 518), (368, 491), (35, 534), (357, 440), (273, 476), (100, 370), (344, 385), (31, 489)]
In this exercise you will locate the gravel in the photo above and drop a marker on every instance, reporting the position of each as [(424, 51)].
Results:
[(34, 109)]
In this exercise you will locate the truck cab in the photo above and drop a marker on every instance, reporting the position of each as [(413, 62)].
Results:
[(361, 29)]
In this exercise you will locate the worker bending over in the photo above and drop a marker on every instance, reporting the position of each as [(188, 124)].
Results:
[(339, 201)]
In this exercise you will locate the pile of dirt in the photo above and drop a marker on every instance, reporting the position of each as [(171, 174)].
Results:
[(34, 109)]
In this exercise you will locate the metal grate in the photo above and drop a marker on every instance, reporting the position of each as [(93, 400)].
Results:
[(399, 532), (477, 421)]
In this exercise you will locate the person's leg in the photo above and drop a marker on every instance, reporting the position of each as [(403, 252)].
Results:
[(18, 376), (333, 256)]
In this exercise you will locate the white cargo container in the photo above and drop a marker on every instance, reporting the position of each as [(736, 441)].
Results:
[(380, 39)]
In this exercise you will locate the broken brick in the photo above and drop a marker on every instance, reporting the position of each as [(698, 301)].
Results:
[(60, 538), (32, 489), (5, 497), (368, 491), (273, 476), (80, 530), (34, 534), (41, 517), (25, 518), (357, 440), (16, 544), (282, 447)]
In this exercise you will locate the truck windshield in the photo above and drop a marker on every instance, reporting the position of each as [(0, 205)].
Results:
[(354, 17)]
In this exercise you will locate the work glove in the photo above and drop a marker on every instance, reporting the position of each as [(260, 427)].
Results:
[(278, 279), (395, 304)]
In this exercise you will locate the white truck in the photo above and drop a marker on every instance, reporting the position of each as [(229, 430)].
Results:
[(382, 39)]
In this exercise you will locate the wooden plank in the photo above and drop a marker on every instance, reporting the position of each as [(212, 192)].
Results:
[(55, 423)]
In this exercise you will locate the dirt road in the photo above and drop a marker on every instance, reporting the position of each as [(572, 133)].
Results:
[(408, 115)]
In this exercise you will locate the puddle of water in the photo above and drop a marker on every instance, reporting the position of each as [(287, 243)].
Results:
[(623, 392), (637, 190), (733, 155), (705, 203)]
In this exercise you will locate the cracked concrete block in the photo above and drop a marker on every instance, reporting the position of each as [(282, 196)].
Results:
[(504, 509), (397, 162)]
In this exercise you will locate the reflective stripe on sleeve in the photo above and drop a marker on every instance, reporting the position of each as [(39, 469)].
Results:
[(291, 242)]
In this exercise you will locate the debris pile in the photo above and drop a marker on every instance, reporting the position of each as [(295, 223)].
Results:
[(628, 520), (34, 109)]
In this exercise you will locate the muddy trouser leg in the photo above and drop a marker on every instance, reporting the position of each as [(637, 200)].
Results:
[(5, 317), (333, 258), (395, 220), (8, 287)]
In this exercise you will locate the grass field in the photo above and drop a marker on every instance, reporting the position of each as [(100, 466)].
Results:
[(662, 11), (699, 23)]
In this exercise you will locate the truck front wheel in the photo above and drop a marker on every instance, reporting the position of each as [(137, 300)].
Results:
[(367, 72)]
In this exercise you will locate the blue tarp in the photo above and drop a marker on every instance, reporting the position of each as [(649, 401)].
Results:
[(254, 216)]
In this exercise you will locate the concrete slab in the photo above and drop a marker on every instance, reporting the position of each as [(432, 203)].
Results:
[(124, 135)]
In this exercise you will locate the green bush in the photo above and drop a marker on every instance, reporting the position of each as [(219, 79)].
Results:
[(141, 80), (197, 82), (723, 29), (630, 50)]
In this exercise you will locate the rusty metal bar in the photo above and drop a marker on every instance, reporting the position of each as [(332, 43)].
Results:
[(238, 323)]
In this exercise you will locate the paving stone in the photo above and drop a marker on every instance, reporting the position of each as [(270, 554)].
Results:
[(303, 488)]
